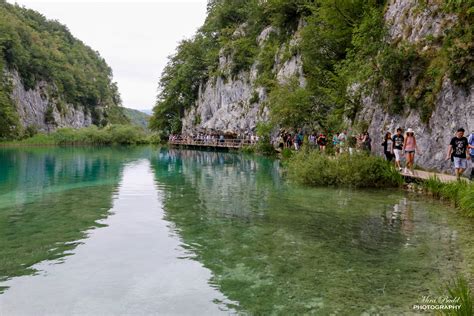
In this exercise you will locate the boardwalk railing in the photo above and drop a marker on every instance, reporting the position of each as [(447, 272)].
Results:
[(226, 143)]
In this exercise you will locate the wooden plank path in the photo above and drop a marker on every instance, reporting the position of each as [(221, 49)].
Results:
[(226, 143), (424, 175), (239, 143)]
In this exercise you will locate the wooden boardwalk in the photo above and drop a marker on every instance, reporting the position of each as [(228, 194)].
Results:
[(225, 144), (424, 175), (239, 143)]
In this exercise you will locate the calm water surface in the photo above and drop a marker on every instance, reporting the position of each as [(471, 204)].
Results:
[(90, 231)]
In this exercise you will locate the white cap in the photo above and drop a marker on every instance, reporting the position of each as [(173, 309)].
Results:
[(410, 130)]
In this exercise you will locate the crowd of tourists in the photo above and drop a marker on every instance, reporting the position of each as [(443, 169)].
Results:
[(460, 150), (340, 141), (397, 147), (214, 138)]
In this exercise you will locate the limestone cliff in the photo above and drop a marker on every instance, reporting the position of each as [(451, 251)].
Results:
[(454, 106), (237, 103), (38, 109)]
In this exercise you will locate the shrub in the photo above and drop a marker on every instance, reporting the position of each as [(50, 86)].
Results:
[(286, 153), (359, 170), (248, 149)]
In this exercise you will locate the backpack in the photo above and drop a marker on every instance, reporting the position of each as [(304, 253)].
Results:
[(470, 141)]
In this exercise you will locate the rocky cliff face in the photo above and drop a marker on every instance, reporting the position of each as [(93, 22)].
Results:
[(38, 109), (237, 104), (454, 106)]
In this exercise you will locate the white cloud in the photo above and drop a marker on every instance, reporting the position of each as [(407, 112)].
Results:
[(134, 37)]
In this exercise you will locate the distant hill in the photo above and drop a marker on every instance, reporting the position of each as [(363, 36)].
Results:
[(137, 117), (148, 111)]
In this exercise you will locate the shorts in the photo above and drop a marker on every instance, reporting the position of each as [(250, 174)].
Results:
[(398, 154), (409, 151), (460, 163)]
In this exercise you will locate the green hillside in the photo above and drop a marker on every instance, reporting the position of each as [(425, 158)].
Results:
[(41, 49), (137, 117)]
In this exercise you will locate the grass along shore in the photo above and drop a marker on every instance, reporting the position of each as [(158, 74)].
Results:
[(361, 170), (460, 193), (92, 135)]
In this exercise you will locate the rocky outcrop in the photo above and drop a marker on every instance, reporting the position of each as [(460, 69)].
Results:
[(237, 103), (454, 106), (414, 20), (38, 109), (454, 109), (232, 106)]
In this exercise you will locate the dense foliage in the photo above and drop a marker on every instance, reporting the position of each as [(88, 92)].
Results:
[(346, 54), (359, 170), (44, 50)]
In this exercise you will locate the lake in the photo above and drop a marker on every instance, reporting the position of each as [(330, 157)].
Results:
[(144, 230)]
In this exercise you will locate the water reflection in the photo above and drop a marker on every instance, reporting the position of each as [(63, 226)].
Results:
[(192, 232), (275, 248), (225, 184), (49, 197), (129, 267)]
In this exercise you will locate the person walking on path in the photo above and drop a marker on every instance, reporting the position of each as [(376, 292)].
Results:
[(352, 144), (471, 153), (342, 141), (410, 146), (335, 143), (397, 147), (387, 146), (458, 148), (322, 142), (367, 142), (300, 139)]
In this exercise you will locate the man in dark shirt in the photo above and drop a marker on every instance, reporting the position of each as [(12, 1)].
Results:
[(458, 148), (397, 147)]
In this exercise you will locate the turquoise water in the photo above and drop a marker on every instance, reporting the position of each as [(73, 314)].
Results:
[(146, 230)]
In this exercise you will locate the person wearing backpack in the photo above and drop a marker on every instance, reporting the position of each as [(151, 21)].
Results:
[(470, 142)]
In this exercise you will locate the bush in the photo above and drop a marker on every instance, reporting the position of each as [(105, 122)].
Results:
[(359, 170), (248, 149), (265, 147), (286, 153)]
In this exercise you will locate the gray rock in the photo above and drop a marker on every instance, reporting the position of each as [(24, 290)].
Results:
[(265, 34), (32, 106), (454, 107), (238, 104), (413, 21)]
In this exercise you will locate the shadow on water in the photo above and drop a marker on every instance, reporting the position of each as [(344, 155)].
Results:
[(276, 248), (49, 198)]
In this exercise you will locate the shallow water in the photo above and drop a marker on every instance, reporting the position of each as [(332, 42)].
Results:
[(151, 231)]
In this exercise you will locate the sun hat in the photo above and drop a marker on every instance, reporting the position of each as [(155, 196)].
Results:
[(410, 131)]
